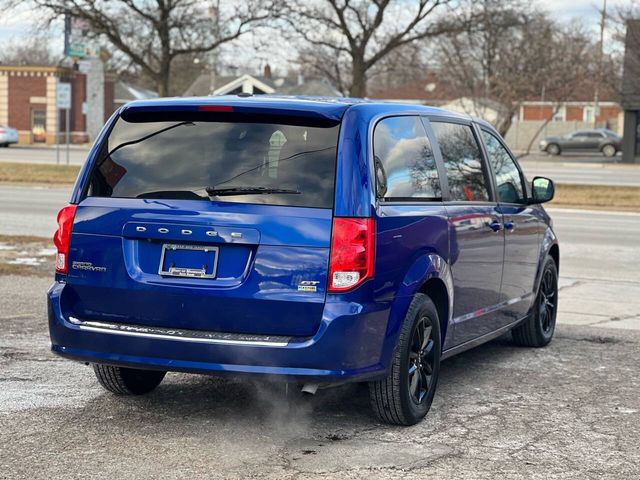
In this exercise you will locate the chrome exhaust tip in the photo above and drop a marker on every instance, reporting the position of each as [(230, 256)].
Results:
[(309, 388)]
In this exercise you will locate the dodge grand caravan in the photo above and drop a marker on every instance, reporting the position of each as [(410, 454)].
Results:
[(315, 241)]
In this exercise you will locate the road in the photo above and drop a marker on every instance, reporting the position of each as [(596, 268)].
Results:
[(31, 210), (29, 154), (579, 170)]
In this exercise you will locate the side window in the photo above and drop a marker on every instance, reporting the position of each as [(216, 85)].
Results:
[(405, 165), (508, 179), (462, 161)]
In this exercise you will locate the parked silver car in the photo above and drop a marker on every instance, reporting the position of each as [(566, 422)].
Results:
[(8, 136), (597, 140)]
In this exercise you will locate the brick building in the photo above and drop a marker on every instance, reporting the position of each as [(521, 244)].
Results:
[(28, 102), (576, 111)]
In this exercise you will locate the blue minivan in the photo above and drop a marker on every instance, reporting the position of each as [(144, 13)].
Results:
[(316, 241)]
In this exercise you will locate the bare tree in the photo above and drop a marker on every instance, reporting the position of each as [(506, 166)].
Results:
[(151, 35), (28, 51), (514, 54), (346, 39)]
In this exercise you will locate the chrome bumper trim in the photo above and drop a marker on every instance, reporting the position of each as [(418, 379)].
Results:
[(182, 335)]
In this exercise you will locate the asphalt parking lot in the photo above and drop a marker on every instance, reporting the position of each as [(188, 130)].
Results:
[(571, 410)]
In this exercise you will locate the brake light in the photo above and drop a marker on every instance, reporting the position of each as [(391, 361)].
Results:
[(215, 108), (352, 252), (62, 237)]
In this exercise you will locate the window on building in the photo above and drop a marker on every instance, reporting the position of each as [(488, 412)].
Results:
[(405, 164), (559, 114), (588, 114), (467, 177), (39, 125)]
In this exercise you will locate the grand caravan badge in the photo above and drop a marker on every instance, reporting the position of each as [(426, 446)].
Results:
[(88, 266), (308, 286)]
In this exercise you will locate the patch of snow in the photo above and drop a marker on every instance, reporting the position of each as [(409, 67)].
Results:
[(47, 251), (4, 246), (31, 261)]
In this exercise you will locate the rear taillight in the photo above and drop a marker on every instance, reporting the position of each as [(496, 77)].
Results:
[(62, 237), (352, 252)]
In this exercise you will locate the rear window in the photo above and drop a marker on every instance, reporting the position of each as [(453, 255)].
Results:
[(248, 162)]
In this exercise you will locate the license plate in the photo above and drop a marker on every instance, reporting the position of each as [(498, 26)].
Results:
[(192, 261)]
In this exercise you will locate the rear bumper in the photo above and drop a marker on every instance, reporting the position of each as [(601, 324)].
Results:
[(348, 346), (8, 139)]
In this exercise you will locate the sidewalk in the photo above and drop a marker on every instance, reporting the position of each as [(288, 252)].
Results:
[(44, 154)]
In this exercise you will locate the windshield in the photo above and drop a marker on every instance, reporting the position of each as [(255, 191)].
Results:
[(221, 161), (610, 133)]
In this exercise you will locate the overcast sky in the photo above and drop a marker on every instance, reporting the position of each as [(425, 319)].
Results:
[(21, 23)]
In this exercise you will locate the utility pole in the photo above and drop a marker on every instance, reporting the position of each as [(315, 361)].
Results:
[(213, 54), (596, 106)]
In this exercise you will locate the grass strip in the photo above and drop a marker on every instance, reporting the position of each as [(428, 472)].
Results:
[(38, 173), (597, 196)]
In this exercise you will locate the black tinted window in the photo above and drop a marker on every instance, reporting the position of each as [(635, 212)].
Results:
[(179, 160), (462, 162), (406, 161), (508, 179)]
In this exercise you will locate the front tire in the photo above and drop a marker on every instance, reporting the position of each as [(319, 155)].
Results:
[(609, 151), (405, 395), (538, 330), (127, 381)]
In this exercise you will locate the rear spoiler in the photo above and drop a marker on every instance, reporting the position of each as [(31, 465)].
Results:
[(236, 110)]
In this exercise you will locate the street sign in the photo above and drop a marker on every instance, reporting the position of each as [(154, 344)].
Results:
[(63, 96)]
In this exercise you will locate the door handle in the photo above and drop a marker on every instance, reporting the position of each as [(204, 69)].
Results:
[(510, 225), (495, 225)]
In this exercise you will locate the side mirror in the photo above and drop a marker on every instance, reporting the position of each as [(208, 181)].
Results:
[(543, 190)]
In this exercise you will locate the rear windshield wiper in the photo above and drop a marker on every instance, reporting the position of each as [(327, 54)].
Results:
[(219, 192), (142, 139)]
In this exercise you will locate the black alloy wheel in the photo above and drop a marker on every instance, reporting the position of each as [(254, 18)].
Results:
[(421, 360), (405, 395), (538, 329)]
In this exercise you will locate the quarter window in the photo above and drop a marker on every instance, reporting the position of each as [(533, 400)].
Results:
[(405, 164), (508, 179), (462, 162)]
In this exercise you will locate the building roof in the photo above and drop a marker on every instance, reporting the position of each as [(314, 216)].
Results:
[(126, 92), (225, 84), (314, 86), (631, 76), (429, 89)]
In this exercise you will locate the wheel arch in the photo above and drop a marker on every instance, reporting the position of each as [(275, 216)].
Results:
[(430, 274), (436, 290), (554, 252)]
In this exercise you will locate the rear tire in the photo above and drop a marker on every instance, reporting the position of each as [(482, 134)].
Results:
[(127, 381), (538, 330), (609, 151), (405, 395), (553, 149)]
